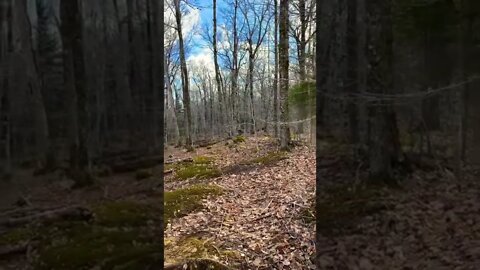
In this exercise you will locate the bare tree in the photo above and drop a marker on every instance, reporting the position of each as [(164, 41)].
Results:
[(283, 69), (75, 79), (256, 20), (185, 78), (384, 136)]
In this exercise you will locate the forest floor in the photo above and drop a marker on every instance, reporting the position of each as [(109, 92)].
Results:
[(432, 221), (245, 205), (261, 219)]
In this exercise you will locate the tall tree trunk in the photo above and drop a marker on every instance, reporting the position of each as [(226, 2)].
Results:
[(384, 141), (303, 41), (185, 78), (275, 76), (352, 70), (26, 51), (251, 62), (283, 66), (171, 113), (6, 48), (154, 45), (218, 79), (235, 71), (132, 75), (361, 72), (465, 45), (75, 80)]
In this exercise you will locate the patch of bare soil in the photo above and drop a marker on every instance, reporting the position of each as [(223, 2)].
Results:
[(259, 214)]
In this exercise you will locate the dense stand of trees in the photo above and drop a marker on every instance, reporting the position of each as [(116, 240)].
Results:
[(398, 80), (259, 50), (80, 81)]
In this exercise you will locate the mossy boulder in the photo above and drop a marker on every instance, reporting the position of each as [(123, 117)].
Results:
[(183, 201)]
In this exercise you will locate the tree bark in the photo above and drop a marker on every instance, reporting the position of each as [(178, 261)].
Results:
[(75, 80), (275, 76), (218, 79), (283, 66), (31, 81), (352, 71), (185, 78), (383, 152)]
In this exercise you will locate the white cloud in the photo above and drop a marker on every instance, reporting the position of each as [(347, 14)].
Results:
[(190, 21), (202, 60)]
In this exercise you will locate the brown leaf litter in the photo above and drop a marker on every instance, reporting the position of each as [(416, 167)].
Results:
[(258, 215)]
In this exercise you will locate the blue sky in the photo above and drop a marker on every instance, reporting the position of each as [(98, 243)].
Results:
[(206, 17)]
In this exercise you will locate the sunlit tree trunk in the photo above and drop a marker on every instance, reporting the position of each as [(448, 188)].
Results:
[(185, 78), (283, 68)]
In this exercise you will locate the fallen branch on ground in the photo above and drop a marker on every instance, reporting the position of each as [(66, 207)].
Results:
[(75, 213), (13, 249)]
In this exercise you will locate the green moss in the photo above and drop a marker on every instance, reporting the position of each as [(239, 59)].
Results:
[(83, 246), (143, 174), (342, 209), (239, 139), (196, 248), (200, 167), (267, 159), (125, 213), (16, 236), (183, 201), (202, 171), (203, 160), (139, 257)]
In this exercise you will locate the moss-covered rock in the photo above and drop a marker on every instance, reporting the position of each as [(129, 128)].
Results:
[(183, 201)]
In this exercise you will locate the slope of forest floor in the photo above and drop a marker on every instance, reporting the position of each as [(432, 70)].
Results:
[(245, 205), (432, 221), (262, 219)]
